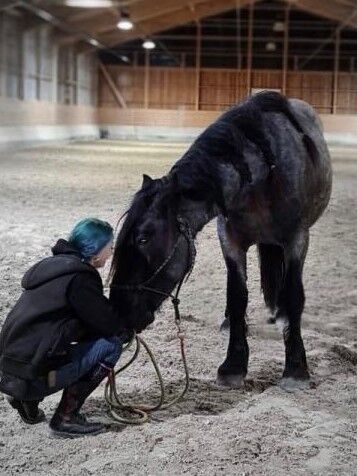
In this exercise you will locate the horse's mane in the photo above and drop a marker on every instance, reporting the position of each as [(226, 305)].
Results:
[(197, 174), (224, 142)]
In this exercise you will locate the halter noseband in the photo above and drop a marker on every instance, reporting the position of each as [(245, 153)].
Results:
[(186, 232)]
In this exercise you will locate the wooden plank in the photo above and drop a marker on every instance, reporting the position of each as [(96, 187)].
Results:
[(146, 79), (112, 86), (339, 123), (175, 88), (250, 48), (198, 66), (335, 72), (285, 46)]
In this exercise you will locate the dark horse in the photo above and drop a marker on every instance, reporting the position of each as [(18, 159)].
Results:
[(263, 169)]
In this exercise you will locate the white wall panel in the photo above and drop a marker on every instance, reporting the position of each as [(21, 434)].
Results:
[(32, 66)]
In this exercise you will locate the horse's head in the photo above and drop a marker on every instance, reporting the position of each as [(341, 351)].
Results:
[(152, 251)]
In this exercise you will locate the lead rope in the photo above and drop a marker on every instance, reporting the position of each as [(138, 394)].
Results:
[(110, 392), (111, 395)]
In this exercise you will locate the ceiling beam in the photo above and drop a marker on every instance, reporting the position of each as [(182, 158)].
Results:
[(330, 9), (335, 37), (139, 11), (82, 16), (172, 19)]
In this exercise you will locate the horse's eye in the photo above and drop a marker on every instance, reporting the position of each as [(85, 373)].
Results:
[(142, 240)]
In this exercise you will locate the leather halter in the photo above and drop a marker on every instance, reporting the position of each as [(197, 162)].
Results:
[(185, 232)]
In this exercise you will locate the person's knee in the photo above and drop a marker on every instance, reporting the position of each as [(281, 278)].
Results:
[(111, 350)]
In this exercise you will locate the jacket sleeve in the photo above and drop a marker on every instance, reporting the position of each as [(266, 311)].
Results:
[(85, 296)]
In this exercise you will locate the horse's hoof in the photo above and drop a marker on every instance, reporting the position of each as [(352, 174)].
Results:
[(224, 326), (232, 381), (290, 384)]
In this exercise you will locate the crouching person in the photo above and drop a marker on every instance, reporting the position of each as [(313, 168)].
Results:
[(62, 333)]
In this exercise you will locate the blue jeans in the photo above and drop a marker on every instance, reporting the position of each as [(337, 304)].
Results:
[(83, 357)]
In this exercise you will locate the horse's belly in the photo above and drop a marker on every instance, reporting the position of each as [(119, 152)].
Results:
[(255, 227)]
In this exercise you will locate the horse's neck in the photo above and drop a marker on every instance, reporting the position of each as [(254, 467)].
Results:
[(197, 214)]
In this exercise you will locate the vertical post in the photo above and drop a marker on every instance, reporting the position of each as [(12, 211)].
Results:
[(352, 64), (250, 47), (335, 71), (75, 67), (54, 72), (182, 60), (198, 65), (38, 62), (286, 46), (2, 56), (296, 62), (239, 35), (135, 58), (146, 79)]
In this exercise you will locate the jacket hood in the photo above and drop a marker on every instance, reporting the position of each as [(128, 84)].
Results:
[(66, 260), (63, 247)]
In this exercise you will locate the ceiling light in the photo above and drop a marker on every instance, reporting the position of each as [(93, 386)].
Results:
[(93, 42), (125, 59), (270, 46), (124, 23), (279, 26), (45, 15), (149, 45), (90, 3)]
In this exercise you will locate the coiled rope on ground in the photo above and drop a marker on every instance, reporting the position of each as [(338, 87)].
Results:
[(141, 412)]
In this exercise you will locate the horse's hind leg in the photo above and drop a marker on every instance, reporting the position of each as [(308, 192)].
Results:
[(233, 370), (290, 307)]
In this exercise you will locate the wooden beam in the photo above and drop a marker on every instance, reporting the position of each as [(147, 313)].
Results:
[(167, 21), (238, 36), (84, 15), (286, 46), (138, 11), (143, 10), (335, 71), (328, 9), (250, 48), (112, 86), (146, 79), (198, 66), (328, 40)]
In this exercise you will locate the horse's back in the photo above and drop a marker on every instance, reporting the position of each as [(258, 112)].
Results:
[(297, 189)]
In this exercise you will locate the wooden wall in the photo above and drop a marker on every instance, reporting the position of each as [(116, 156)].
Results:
[(177, 88), (193, 121)]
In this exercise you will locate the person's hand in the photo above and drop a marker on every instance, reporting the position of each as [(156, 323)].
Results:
[(127, 335), (144, 323)]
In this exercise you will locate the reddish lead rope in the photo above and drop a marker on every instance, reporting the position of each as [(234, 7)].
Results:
[(141, 411)]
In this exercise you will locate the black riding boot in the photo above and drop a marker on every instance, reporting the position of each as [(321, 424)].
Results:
[(28, 410), (67, 422)]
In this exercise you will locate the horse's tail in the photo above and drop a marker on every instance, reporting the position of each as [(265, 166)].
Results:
[(272, 271)]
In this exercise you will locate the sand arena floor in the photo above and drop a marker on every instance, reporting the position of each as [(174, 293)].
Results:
[(260, 430)]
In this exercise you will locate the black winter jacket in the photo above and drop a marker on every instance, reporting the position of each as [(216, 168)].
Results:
[(62, 302)]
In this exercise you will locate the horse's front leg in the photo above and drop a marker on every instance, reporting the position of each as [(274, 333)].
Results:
[(233, 370)]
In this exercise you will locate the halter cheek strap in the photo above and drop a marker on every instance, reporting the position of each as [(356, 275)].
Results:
[(186, 232)]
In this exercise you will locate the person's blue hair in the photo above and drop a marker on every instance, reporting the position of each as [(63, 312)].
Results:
[(90, 235)]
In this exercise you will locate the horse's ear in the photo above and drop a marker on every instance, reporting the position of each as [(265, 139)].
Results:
[(146, 180)]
